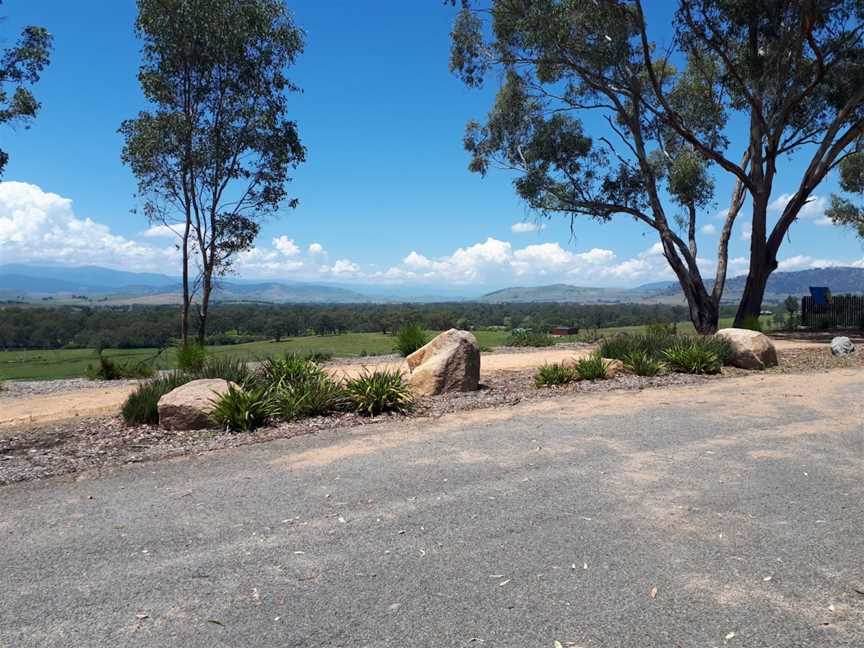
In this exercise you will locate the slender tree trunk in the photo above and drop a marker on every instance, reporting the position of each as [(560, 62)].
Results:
[(184, 310), (203, 311)]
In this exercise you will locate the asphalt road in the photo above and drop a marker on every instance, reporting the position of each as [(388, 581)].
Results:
[(727, 515)]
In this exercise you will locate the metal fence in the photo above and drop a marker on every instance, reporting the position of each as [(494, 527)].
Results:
[(841, 311)]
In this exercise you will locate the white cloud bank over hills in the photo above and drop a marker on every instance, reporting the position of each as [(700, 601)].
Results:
[(42, 228)]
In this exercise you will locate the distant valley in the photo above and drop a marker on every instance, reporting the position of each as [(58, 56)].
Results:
[(104, 286)]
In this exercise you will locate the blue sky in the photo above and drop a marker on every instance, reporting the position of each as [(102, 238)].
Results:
[(386, 174)]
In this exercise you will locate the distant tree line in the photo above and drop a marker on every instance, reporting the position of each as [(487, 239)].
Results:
[(30, 327)]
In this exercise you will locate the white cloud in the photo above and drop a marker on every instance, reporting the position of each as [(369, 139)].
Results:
[(526, 228), (316, 249), (802, 262), (344, 268), (709, 230), (163, 231), (746, 232), (286, 246), (38, 226), (813, 209)]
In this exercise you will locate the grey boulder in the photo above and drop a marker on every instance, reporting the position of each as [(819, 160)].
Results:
[(842, 346)]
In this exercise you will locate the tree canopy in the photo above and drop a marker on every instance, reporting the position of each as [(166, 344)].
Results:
[(787, 74), (20, 67)]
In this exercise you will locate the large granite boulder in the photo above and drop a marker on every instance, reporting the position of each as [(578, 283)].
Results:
[(842, 346), (750, 349), (449, 363), (189, 406)]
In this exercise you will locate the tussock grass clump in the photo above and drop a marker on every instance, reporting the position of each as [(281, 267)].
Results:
[(687, 357), (313, 395), (410, 338), (594, 367), (377, 392), (243, 410), (191, 357), (108, 370), (278, 374), (642, 364), (141, 407), (553, 375), (229, 369), (660, 345), (530, 339)]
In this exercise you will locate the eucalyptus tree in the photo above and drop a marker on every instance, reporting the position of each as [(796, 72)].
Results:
[(213, 150), (845, 211), (599, 121), (20, 67)]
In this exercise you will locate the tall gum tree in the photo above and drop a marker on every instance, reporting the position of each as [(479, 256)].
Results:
[(789, 73), (213, 151)]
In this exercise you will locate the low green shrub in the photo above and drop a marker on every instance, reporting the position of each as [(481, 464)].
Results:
[(642, 364), (109, 370), (141, 407), (312, 395), (552, 375), (529, 339), (380, 391), (279, 374), (719, 346), (232, 370), (243, 410), (692, 358), (191, 357), (594, 367), (410, 338)]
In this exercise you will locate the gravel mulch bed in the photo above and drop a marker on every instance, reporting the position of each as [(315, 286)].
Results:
[(28, 388), (87, 444)]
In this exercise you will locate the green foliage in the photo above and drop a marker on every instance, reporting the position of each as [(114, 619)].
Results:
[(141, 407), (644, 354), (20, 67), (594, 367), (642, 364), (108, 370), (243, 410), (191, 357), (279, 374), (529, 339), (317, 356), (551, 375), (688, 357), (314, 394), (377, 392), (230, 369), (410, 338), (752, 323)]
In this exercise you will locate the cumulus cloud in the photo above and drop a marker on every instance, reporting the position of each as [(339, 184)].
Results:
[(526, 228), (38, 226), (709, 230), (803, 262), (286, 246), (316, 249)]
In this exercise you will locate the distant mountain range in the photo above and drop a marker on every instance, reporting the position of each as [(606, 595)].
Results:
[(59, 284), (21, 282), (780, 285)]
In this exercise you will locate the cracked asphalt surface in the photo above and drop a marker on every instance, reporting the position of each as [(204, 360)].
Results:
[(722, 515)]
